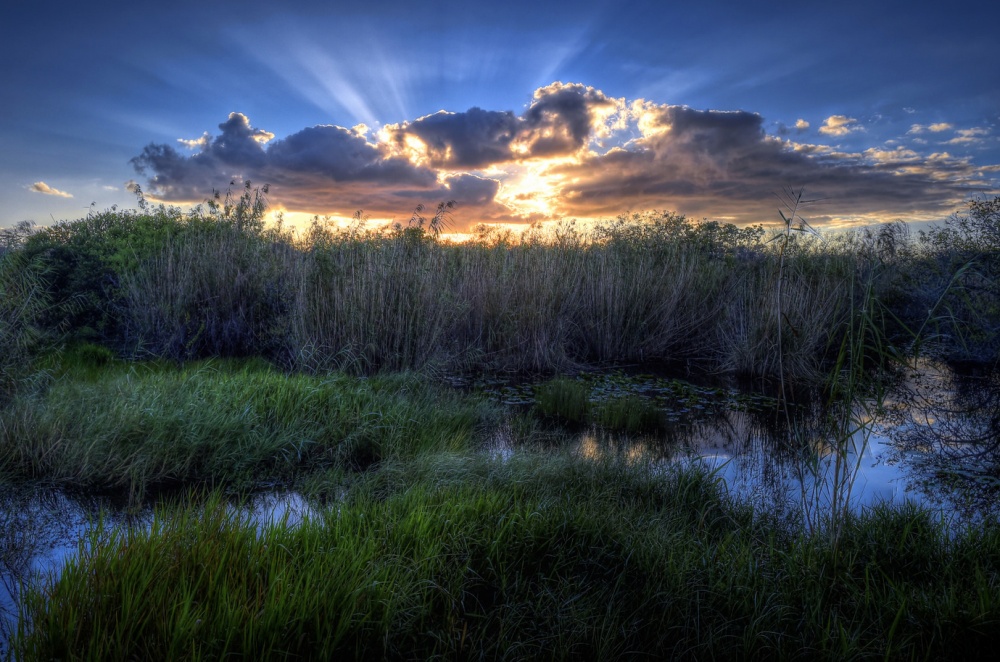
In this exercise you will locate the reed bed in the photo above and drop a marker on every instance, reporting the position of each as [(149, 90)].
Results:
[(649, 287), (656, 288)]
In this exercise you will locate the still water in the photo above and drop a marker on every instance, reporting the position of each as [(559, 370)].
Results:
[(933, 438)]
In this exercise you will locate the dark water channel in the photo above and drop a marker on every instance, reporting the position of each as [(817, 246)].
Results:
[(935, 440)]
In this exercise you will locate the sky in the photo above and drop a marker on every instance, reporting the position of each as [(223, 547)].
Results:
[(517, 111)]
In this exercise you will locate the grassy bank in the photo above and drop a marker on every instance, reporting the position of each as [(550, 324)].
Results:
[(547, 557)]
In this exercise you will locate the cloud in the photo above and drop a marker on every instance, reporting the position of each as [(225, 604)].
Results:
[(196, 143), (839, 125), (572, 152), (719, 164), (967, 136), (42, 187), (320, 169), (561, 120), (933, 128)]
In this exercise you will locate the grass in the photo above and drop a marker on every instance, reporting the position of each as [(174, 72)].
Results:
[(564, 399), (455, 557), (141, 427)]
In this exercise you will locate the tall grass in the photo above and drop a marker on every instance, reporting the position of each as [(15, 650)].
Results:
[(23, 302), (642, 288), (652, 288)]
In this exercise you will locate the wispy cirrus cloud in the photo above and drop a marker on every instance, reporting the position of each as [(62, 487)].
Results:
[(572, 152), (968, 136), (42, 187), (933, 128)]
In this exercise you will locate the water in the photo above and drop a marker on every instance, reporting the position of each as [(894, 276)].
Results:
[(935, 441)]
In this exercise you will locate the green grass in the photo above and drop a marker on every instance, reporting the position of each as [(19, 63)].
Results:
[(140, 427), (631, 414), (540, 557)]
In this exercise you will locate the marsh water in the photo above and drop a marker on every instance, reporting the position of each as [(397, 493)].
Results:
[(933, 437)]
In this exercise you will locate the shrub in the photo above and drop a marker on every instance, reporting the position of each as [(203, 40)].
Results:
[(23, 302)]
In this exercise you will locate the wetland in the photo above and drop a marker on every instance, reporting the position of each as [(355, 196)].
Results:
[(656, 437)]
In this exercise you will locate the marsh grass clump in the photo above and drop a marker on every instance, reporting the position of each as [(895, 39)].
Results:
[(633, 414), (564, 399), (141, 427)]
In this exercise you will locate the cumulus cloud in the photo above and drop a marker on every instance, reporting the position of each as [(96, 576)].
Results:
[(715, 163), (42, 187), (839, 125), (561, 120), (572, 152)]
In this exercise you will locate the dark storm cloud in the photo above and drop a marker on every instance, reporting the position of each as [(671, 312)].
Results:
[(717, 164), (558, 122)]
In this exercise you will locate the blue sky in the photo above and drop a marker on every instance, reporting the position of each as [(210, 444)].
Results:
[(551, 110)]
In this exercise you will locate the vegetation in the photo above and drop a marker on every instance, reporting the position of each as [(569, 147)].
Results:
[(23, 302), (543, 556), (151, 353), (140, 428)]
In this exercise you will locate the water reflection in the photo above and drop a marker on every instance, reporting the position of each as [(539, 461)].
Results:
[(944, 429), (936, 441), (39, 529)]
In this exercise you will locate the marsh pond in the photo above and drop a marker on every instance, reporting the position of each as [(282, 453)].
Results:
[(929, 437)]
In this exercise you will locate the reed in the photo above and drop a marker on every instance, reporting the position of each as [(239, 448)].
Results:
[(651, 287)]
